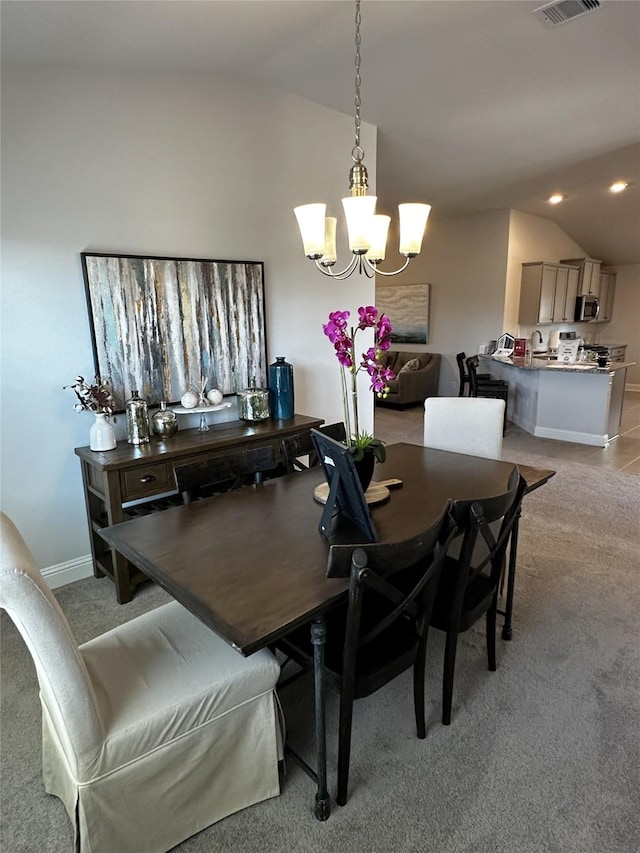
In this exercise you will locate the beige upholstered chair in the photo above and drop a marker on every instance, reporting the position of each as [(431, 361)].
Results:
[(152, 731), (471, 425)]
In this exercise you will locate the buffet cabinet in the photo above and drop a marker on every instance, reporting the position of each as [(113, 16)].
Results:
[(547, 293), (128, 481)]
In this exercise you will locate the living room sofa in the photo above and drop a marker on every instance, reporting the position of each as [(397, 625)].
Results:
[(417, 377)]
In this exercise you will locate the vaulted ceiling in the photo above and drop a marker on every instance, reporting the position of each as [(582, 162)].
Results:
[(478, 105)]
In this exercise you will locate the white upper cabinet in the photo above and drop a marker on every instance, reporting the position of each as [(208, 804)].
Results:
[(588, 275), (547, 293)]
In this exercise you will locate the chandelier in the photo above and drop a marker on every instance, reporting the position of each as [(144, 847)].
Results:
[(366, 230)]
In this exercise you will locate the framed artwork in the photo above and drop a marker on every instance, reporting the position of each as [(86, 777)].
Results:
[(407, 306), (160, 324)]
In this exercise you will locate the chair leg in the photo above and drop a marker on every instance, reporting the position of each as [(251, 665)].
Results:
[(491, 634), (344, 745), (447, 681), (419, 668)]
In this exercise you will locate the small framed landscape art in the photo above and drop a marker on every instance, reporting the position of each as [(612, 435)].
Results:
[(407, 306), (159, 324)]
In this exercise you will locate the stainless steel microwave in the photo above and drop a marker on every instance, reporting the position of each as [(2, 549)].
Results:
[(587, 308)]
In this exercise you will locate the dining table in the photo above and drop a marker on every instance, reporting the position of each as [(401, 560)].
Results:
[(252, 564)]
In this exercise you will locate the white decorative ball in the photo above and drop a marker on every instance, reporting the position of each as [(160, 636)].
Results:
[(189, 400), (214, 396)]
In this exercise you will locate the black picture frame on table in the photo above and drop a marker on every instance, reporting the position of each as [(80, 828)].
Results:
[(346, 501), (159, 324)]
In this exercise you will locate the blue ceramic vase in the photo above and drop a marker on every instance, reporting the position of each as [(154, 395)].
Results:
[(281, 389)]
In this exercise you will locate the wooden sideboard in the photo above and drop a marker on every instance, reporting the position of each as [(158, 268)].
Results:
[(113, 479)]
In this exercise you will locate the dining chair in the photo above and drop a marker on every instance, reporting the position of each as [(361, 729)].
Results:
[(382, 631), (296, 447), (224, 473), (461, 359), (471, 425), (470, 583), (150, 732), (493, 388)]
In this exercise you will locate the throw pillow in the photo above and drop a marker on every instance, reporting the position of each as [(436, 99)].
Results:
[(412, 364)]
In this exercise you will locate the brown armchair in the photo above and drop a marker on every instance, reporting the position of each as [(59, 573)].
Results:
[(417, 377)]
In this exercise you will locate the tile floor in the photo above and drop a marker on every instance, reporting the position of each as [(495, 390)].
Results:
[(623, 454)]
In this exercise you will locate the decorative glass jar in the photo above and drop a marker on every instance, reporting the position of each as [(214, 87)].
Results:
[(164, 422), (253, 403), (137, 419), (281, 389)]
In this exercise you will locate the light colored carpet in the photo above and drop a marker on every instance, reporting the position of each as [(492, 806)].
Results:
[(542, 755)]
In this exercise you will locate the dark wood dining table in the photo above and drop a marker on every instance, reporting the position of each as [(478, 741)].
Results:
[(251, 564)]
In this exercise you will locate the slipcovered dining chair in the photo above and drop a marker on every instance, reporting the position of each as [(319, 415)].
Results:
[(382, 631), (150, 732), (470, 583), (471, 425)]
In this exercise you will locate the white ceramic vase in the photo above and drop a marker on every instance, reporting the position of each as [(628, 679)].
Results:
[(101, 434)]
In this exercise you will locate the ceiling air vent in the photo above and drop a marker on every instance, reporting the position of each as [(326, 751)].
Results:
[(554, 14)]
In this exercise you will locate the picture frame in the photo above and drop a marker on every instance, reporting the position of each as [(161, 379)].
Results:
[(346, 500), (407, 306), (160, 324)]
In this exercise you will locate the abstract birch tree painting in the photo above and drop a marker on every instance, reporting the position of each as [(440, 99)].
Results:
[(159, 324)]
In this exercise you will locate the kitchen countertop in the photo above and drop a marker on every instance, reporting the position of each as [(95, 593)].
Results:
[(560, 367)]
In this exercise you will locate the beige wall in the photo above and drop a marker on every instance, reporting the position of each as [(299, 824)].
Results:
[(149, 164), (624, 327)]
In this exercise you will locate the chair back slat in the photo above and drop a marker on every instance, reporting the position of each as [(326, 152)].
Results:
[(224, 473), (294, 446)]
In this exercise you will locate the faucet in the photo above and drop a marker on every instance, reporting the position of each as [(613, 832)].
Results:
[(533, 338)]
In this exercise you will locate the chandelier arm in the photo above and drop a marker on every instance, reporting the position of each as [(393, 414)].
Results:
[(378, 271), (345, 273)]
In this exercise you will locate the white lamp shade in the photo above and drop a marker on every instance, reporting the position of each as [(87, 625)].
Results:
[(359, 211), (379, 232), (330, 255), (311, 224), (413, 221)]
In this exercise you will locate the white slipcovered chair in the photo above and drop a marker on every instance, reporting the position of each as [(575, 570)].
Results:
[(150, 732), (471, 425)]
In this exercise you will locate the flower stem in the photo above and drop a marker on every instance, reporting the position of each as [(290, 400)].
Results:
[(345, 405)]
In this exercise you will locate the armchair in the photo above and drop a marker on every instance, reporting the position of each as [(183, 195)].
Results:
[(417, 377)]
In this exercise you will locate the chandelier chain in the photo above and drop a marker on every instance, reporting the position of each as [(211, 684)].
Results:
[(358, 152)]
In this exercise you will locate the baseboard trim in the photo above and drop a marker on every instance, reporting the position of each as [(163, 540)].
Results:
[(635, 388), (69, 572), (570, 435)]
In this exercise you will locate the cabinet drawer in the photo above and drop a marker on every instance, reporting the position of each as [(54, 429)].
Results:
[(146, 480)]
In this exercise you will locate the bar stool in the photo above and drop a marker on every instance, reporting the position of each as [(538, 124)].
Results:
[(488, 388), (464, 376)]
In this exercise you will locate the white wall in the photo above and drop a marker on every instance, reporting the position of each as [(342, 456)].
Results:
[(624, 327), (169, 165), (464, 260)]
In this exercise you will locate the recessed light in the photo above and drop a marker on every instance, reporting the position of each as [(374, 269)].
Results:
[(556, 198), (618, 186)]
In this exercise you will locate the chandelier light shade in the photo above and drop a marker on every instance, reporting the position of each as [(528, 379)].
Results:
[(367, 232)]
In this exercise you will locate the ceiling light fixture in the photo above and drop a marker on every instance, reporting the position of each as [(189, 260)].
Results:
[(618, 187), (555, 199), (367, 232)]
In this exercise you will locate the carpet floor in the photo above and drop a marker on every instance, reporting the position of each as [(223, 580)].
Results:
[(542, 755)]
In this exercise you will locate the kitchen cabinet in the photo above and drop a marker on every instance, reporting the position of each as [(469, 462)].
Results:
[(607, 292), (588, 275), (547, 293)]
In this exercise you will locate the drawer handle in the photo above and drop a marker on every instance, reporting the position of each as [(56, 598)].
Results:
[(148, 479)]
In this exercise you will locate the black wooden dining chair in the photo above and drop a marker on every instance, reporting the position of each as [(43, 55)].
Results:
[(382, 631), (295, 447), (461, 358), (470, 584), (223, 473), (496, 388)]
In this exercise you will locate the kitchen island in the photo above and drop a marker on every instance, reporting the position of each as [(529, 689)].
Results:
[(578, 402)]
